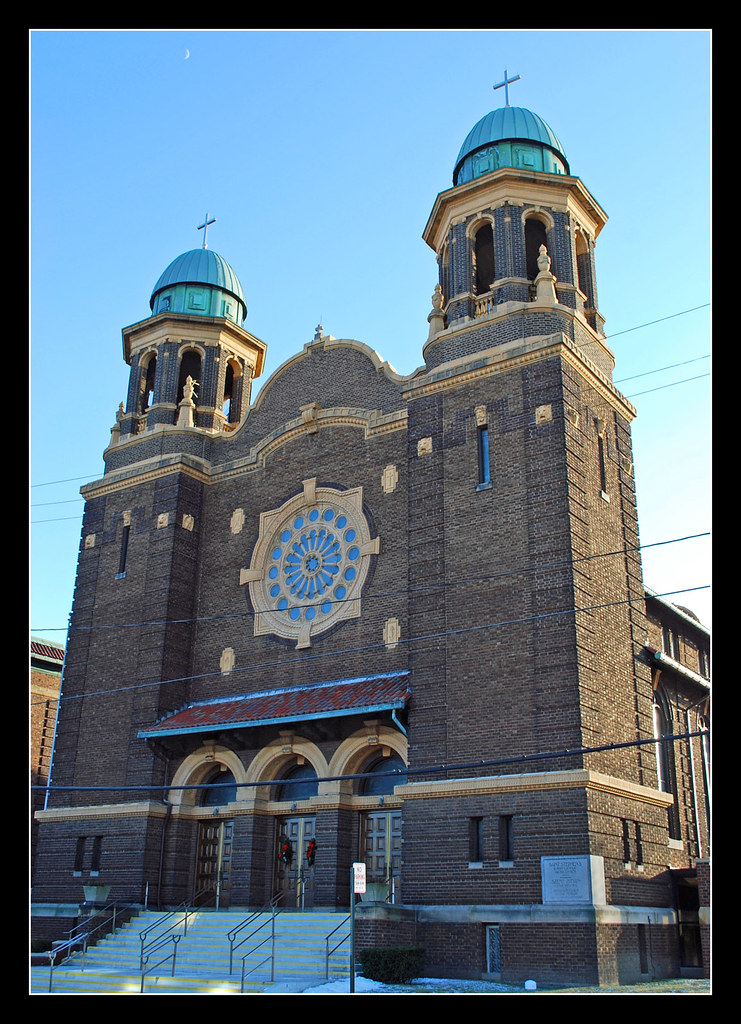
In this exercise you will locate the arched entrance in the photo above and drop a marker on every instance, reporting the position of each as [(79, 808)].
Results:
[(381, 830), (213, 875), (295, 840)]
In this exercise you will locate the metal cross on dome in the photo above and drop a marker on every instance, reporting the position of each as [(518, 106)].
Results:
[(506, 84), (204, 228)]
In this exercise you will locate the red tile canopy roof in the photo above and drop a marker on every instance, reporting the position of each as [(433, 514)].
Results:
[(384, 692)]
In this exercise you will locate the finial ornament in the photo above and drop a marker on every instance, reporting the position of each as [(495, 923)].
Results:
[(204, 228), (506, 84)]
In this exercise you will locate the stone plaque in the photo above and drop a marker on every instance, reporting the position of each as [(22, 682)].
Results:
[(573, 879)]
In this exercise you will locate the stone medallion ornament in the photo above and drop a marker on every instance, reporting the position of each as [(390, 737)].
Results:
[(310, 562)]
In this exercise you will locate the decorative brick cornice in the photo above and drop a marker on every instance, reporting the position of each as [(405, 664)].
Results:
[(579, 778), (139, 809), (503, 358), (373, 423)]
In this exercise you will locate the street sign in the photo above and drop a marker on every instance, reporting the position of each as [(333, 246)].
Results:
[(358, 874)]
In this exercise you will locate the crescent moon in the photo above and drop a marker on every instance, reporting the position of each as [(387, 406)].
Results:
[(187, 54)]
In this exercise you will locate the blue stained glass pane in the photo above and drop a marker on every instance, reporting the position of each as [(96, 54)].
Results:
[(286, 535), (282, 604), (294, 613), (298, 523), (273, 572), (326, 606), (340, 593), (342, 523), (350, 574), (350, 536), (329, 515), (276, 553), (274, 590), (314, 515), (310, 613), (352, 554)]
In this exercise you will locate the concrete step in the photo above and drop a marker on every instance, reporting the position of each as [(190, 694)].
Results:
[(67, 981), (202, 961)]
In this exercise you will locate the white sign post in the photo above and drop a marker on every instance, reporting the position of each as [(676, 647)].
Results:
[(357, 888)]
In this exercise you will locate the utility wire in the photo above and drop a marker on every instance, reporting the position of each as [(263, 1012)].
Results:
[(451, 769), (302, 659), (662, 387), (661, 320), (660, 369), (94, 476), (384, 595)]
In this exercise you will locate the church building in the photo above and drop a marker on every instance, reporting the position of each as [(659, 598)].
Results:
[(391, 619)]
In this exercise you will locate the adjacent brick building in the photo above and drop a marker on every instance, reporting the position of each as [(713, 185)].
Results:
[(395, 619), (45, 676)]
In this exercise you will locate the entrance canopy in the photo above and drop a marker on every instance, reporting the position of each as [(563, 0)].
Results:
[(385, 692)]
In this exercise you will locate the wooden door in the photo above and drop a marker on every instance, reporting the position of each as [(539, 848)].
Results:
[(214, 864), (381, 851), (294, 873)]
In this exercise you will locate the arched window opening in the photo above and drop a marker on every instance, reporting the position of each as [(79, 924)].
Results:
[(220, 788), (483, 248), (230, 406), (582, 265), (190, 366), (298, 783), (146, 391), (535, 236), (379, 780)]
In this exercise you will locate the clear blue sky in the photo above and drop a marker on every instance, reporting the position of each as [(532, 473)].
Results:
[(321, 154)]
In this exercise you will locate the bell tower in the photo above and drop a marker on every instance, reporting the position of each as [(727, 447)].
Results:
[(515, 240), (521, 445), (192, 362)]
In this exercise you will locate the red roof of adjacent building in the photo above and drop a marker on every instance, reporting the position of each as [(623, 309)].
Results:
[(319, 700), (46, 650)]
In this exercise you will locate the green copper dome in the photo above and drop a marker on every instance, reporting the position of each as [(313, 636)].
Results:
[(509, 137), (202, 283)]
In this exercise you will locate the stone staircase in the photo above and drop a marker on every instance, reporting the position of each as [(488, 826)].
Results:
[(111, 966)]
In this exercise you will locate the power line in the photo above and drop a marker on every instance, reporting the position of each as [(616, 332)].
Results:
[(660, 369), (451, 769), (302, 659), (94, 476), (650, 323), (404, 591), (663, 386)]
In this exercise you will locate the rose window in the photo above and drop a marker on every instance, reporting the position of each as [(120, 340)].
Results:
[(310, 562)]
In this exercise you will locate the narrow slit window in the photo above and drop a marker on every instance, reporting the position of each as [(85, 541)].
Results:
[(483, 454), (79, 855), (124, 552), (476, 840), (506, 838), (602, 463)]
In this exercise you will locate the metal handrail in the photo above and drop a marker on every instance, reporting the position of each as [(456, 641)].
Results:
[(81, 941), (327, 951), (271, 958), (272, 908), (165, 939), (184, 910)]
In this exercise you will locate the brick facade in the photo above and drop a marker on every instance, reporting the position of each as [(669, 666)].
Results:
[(511, 594)]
